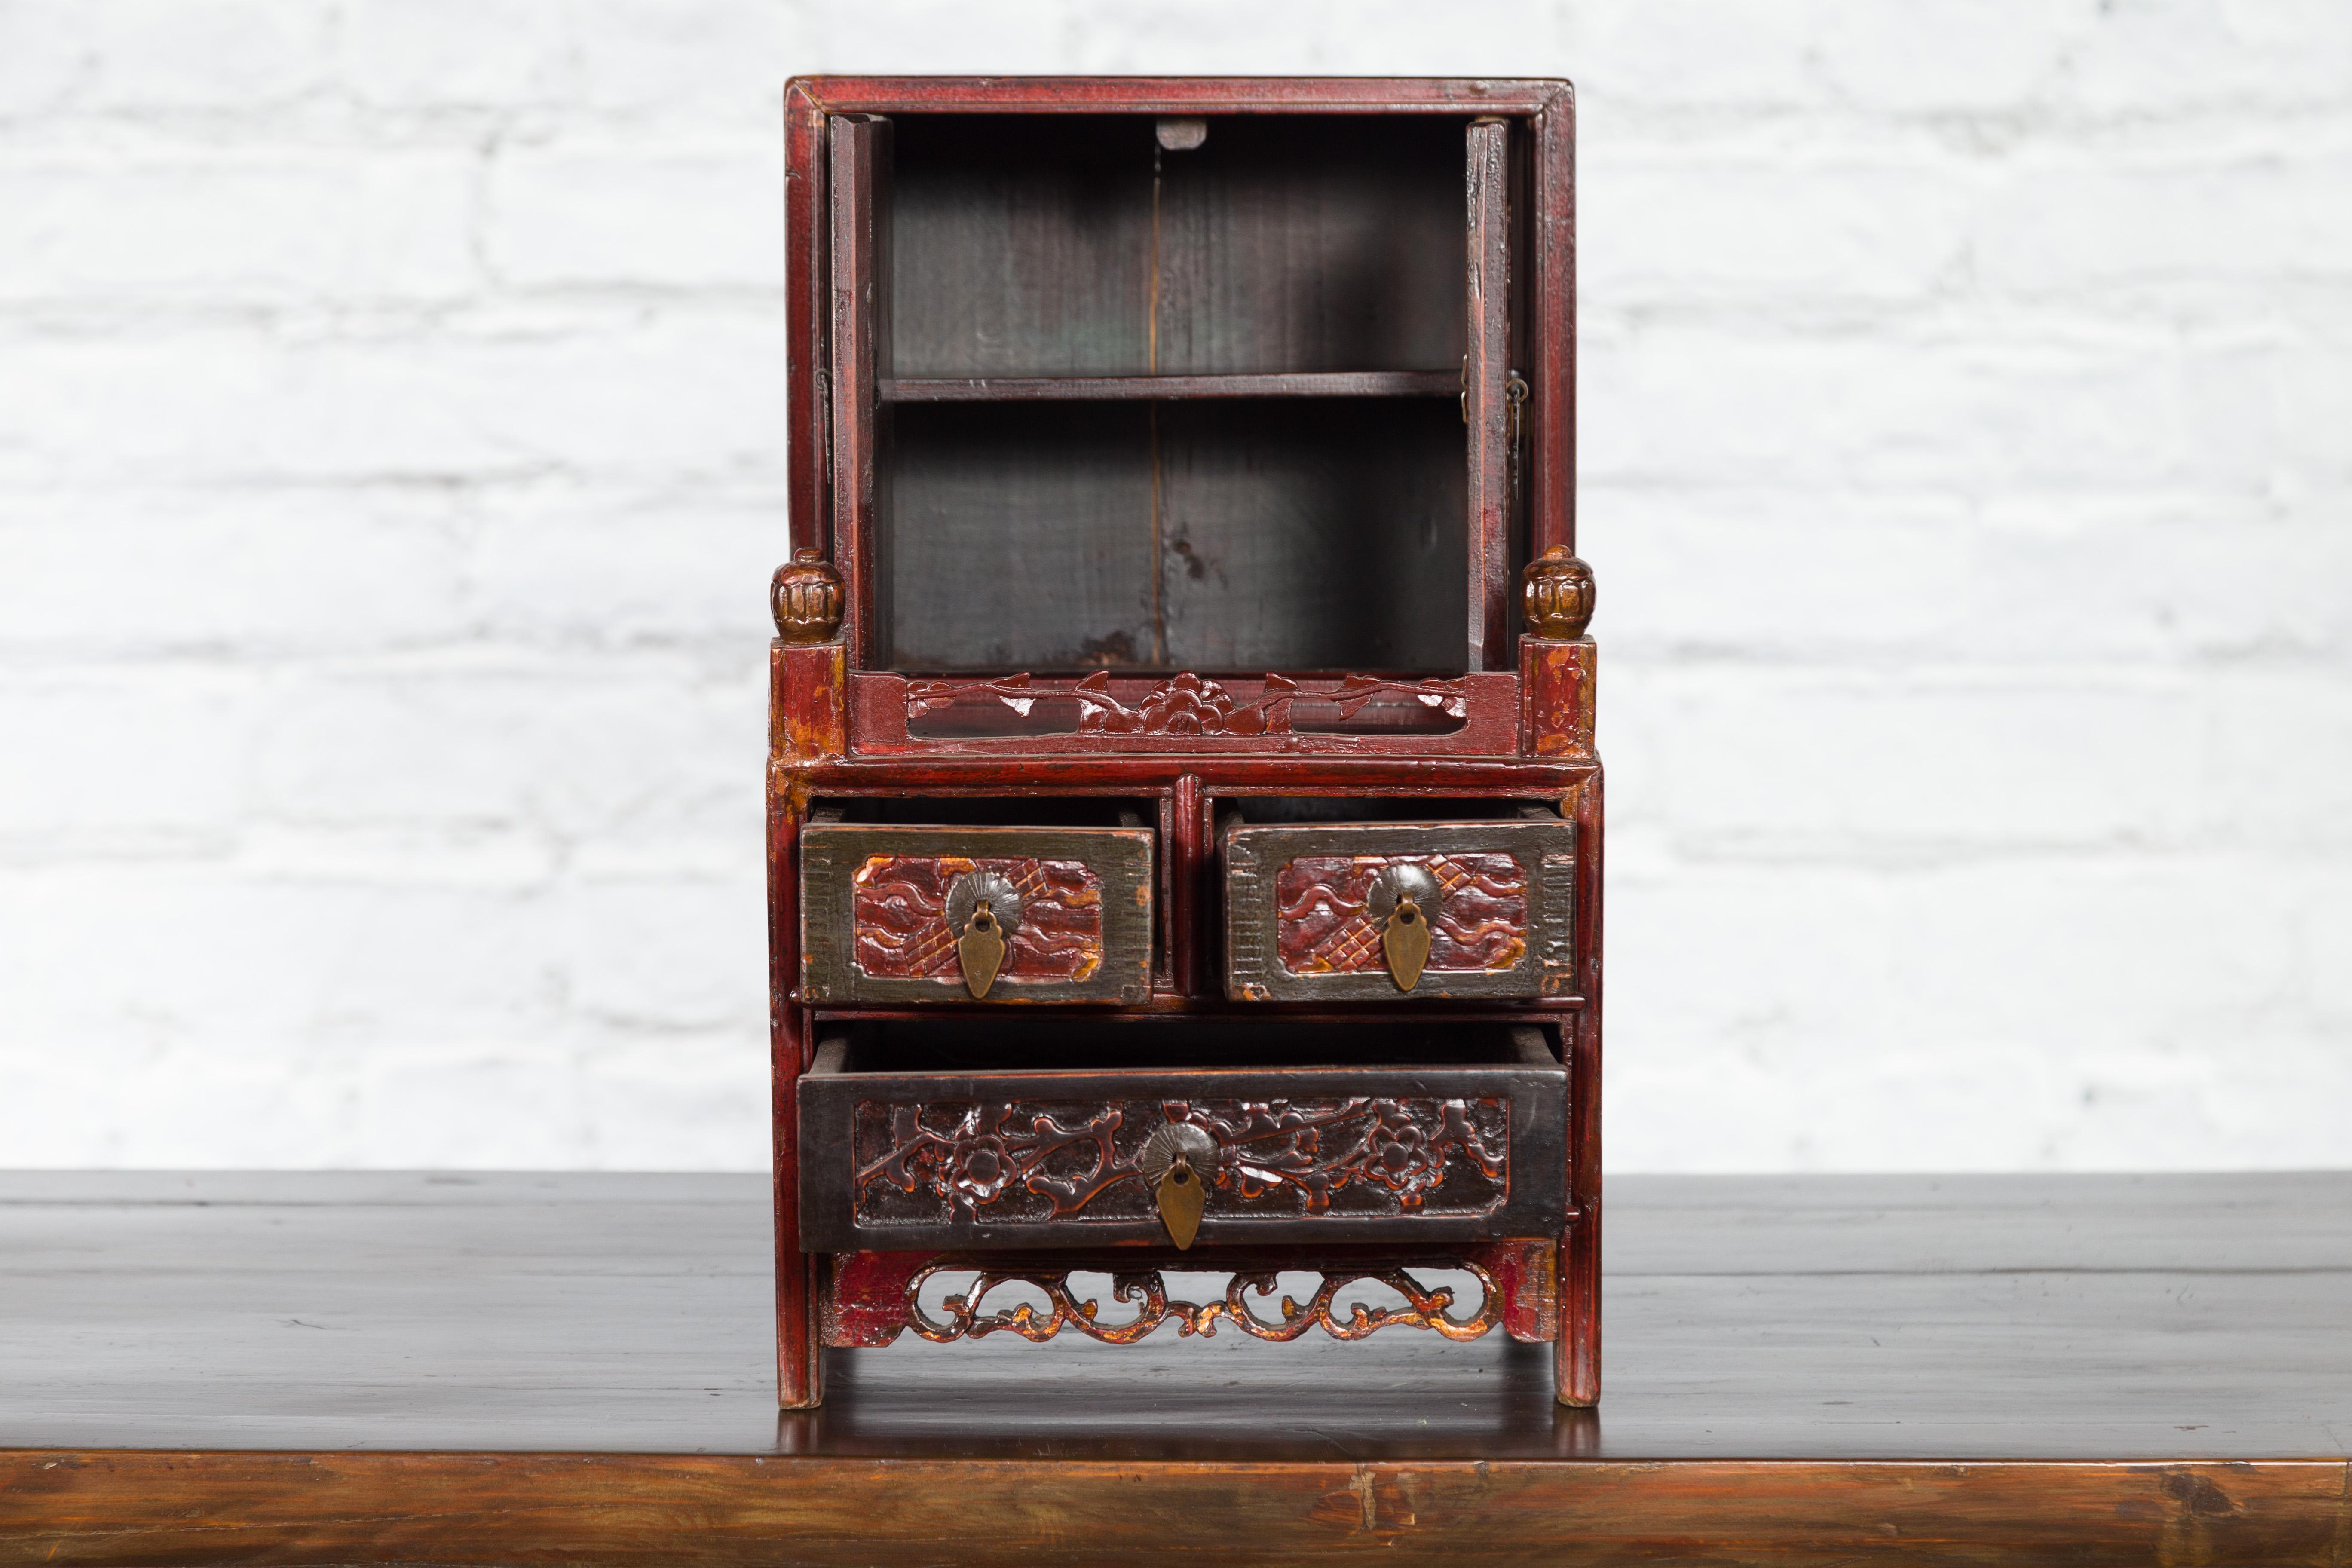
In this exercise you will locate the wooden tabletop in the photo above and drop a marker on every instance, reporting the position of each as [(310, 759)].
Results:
[(447, 1368)]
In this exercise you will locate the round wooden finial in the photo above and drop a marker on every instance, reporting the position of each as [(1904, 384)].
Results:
[(1557, 598), (806, 598)]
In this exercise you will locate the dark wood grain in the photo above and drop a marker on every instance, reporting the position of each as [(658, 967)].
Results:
[(807, 289), (1486, 374), (1945, 1320), (1311, 243), (315, 1369), (1260, 535), (1551, 461), (1021, 537), (1312, 535), (1021, 246), (1136, 388), (860, 162)]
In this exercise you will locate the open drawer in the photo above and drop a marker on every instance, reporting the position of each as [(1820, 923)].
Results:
[(895, 914), (959, 1133), (1385, 910)]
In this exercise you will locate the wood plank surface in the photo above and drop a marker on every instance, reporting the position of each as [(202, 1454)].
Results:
[(1021, 537), (1290, 242), (487, 1368), (1312, 535), (1159, 388), (1485, 378), (1023, 247)]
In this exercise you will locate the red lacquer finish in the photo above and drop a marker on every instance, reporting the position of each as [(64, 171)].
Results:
[(1557, 681), (895, 450)]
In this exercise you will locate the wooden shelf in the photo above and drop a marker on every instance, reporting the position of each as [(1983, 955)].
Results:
[(1120, 388)]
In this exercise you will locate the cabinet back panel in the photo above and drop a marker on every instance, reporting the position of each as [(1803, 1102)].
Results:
[(1032, 246), (1022, 244), (1314, 535), (1313, 242), (1020, 536), (1284, 535)]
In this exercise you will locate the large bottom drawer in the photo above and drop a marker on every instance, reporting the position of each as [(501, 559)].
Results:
[(957, 1133)]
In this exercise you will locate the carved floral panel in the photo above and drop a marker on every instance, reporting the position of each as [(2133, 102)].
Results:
[(900, 923), (1326, 924), (1029, 1162)]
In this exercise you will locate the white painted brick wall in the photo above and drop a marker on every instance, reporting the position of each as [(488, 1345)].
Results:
[(391, 412)]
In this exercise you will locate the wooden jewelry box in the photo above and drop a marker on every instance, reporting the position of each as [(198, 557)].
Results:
[(1184, 827)]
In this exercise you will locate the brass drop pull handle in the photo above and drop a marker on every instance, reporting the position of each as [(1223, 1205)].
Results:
[(1405, 943), (1178, 1160), (1405, 899), (983, 910), (981, 950), (1181, 1198)]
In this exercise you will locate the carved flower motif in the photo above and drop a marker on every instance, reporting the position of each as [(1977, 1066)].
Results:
[(982, 1171), (1401, 1157), (1186, 705)]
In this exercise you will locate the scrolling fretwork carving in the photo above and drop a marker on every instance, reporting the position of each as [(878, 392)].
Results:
[(1424, 1308)]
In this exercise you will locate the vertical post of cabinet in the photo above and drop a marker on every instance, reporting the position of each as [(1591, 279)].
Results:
[(799, 1352), (1578, 1363), (1485, 382), (1193, 853), (1556, 698), (807, 509), (859, 326), (1549, 460)]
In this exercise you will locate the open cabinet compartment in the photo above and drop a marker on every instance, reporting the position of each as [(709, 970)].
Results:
[(1139, 393)]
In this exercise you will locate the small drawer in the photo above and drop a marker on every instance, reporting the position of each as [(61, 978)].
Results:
[(886, 909), (1310, 910), (1446, 1132)]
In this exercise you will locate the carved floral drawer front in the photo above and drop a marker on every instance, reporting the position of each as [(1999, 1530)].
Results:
[(994, 914), (1066, 1158), (1328, 912), (901, 930)]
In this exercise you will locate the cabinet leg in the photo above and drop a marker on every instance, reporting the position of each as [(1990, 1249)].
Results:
[(1577, 1364), (800, 1344)]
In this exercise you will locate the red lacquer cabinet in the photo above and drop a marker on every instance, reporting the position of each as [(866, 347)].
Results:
[(1184, 825)]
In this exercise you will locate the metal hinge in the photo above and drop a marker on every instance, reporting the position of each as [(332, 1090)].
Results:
[(1515, 394)]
